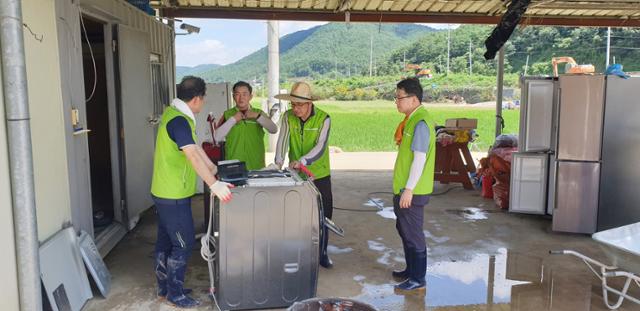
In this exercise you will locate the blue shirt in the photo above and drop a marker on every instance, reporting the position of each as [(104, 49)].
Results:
[(420, 142), (180, 132)]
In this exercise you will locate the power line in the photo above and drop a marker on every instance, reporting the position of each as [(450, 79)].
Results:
[(624, 48)]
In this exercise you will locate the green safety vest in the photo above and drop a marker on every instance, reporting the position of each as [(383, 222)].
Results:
[(303, 138), (405, 155), (245, 141), (173, 175)]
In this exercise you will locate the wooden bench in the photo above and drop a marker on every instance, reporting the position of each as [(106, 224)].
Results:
[(450, 166)]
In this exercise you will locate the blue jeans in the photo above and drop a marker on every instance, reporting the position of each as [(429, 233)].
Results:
[(174, 244)]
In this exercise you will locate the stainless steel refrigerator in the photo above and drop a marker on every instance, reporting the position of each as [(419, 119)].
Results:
[(620, 168), (582, 105), (578, 152), (531, 178)]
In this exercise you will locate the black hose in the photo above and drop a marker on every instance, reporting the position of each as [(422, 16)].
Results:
[(379, 207)]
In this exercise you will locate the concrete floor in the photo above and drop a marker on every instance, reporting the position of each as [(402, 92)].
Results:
[(480, 258)]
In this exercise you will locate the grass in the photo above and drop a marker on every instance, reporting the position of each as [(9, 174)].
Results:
[(370, 125)]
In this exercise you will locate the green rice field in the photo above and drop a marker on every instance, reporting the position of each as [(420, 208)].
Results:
[(370, 125)]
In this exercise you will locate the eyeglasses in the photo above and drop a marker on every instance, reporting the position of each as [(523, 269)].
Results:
[(399, 98)]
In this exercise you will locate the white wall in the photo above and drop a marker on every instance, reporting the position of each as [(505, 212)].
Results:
[(47, 126), (8, 286)]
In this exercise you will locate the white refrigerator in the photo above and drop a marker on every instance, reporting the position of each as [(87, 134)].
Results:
[(531, 170)]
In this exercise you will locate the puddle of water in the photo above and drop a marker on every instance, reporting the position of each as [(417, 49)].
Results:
[(332, 249), (387, 212), (436, 239), (470, 213), (388, 254), (448, 279), (384, 211), (376, 246), (375, 202), (469, 283)]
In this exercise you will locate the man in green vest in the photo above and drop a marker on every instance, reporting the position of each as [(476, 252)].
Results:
[(412, 182), (243, 129), (177, 161), (304, 132)]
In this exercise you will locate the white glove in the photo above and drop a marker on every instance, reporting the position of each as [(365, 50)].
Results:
[(272, 166), (221, 190)]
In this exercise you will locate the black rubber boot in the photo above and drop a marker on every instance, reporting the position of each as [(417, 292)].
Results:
[(325, 261), (176, 296), (416, 283), (401, 275)]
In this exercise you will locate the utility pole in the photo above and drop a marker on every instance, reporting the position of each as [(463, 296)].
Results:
[(448, 46), (500, 78), (404, 59), (526, 65), (470, 60), (273, 75), (608, 47), (375, 68), (370, 54)]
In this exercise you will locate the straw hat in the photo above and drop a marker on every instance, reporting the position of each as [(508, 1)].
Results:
[(300, 93)]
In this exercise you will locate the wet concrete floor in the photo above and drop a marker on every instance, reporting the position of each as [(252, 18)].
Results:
[(479, 257)]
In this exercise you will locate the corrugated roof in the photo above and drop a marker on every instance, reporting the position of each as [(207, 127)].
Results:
[(540, 12)]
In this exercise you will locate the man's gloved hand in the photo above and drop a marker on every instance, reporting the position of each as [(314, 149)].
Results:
[(294, 164), (221, 190), (272, 166)]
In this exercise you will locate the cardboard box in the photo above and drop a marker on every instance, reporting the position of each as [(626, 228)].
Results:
[(462, 123)]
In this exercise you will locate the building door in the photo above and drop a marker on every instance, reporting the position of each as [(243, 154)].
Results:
[(137, 120)]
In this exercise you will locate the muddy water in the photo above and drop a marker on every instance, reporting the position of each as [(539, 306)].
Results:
[(504, 280)]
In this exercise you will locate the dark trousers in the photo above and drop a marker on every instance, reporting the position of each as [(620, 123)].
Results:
[(324, 186), (409, 222), (175, 241)]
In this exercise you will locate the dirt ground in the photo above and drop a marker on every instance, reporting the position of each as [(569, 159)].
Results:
[(479, 257)]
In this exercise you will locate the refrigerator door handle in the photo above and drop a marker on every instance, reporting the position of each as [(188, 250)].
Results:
[(291, 267)]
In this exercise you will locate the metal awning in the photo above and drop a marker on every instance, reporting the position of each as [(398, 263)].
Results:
[(624, 13)]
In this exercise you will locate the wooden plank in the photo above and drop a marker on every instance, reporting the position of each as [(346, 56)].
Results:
[(386, 5), (412, 5), (426, 6), (449, 6), (437, 7), (398, 5), (359, 5), (373, 5), (462, 7)]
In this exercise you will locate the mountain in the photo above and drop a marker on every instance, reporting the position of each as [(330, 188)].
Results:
[(530, 47), (331, 49), (182, 71)]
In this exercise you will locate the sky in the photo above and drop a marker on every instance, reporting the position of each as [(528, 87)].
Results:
[(224, 41)]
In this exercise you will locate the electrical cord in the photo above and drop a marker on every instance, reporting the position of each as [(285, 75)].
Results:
[(208, 250), (93, 60), (445, 191), (380, 207)]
